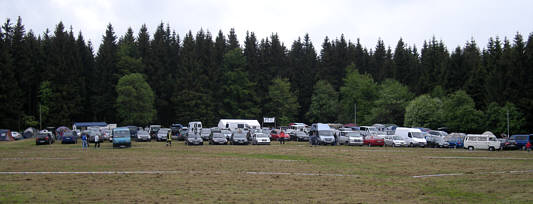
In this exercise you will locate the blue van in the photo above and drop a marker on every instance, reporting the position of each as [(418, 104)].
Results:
[(121, 137), (522, 139)]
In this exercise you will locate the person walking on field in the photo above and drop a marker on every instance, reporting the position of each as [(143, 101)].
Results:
[(169, 139), (528, 146), (96, 141), (84, 141)]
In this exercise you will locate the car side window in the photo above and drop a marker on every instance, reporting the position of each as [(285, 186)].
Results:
[(492, 139)]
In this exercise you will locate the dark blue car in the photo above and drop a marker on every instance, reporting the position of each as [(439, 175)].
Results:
[(522, 139), (70, 137)]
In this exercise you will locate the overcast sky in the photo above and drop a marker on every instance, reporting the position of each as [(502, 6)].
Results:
[(453, 21)]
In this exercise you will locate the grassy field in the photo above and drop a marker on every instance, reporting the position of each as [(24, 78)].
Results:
[(290, 173)]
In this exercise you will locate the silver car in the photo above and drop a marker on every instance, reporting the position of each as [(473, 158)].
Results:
[(259, 138), (143, 136), (162, 134)]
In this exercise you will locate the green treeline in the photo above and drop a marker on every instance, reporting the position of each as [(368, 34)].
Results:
[(206, 77)]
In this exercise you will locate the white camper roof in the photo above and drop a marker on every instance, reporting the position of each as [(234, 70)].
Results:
[(252, 123)]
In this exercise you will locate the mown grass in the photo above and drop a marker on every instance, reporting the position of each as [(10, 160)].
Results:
[(207, 174)]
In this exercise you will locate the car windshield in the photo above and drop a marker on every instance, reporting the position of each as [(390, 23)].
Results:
[(352, 134), (397, 138), (239, 135), (205, 131), (299, 133), (260, 135), (142, 133), (155, 129), (417, 134), (218, 135), (226, 132), (121, 133), (67, 134), (42, 135), (325, 133), (193, 136)]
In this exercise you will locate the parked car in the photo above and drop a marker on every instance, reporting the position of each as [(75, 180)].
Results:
[(133, 131), (44, 137), (69, 137), (259, 138), (154, 129), (509, 144), (92, 133), (175, 130), (301, 136), (106, 134), (204, 133), (394, 141), (436, 141), (226, 133), (182, 133), (238, 137), (193, 139), (374, 140), (347, 136), (16, 135), (321, 134), (474, 141), (162, 134), (277, 134), (217, 138), (143, 136), (455, 140), (521, 140), (121, 137)]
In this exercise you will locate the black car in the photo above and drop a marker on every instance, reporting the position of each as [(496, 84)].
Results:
[(510, 144), (238, 138), (217, 138), (44, 138)]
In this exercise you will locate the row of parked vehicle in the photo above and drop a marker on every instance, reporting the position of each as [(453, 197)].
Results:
[(316, 134)]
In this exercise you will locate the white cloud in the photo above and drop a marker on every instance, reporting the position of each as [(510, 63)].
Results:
[(453, 21)]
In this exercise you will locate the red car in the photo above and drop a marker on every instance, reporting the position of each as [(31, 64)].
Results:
[(374, 141), (276, 134)]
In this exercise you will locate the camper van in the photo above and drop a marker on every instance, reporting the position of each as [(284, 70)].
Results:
[(321, 134), (195, 127), (233, 124), (485, 141), (121, 137), (412, 136)]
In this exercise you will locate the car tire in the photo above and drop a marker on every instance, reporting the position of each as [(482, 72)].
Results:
[(492, 149), (470, 148)]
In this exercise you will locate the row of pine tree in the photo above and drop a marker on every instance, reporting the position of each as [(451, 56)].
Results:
[(60, 77)]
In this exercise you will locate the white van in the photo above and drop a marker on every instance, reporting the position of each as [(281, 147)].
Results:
[(474, 141), (321, 134), (195, 127), (412, 136)]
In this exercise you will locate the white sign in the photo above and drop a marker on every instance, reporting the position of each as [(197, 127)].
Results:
[(269, 120)]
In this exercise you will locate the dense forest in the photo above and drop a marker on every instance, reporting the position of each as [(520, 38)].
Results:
[(59, 76)]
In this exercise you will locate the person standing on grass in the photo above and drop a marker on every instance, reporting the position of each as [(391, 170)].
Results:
[(169, 139), (528, 146), (281, 137), (96, 141), (84, 141)]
